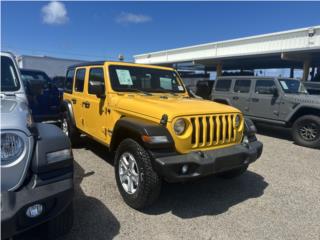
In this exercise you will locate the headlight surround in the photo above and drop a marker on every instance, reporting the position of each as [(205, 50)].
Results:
[(12, 146), (237, 121), (179, 126)]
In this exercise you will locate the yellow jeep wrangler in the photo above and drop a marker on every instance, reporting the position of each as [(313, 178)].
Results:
[(144, 114)]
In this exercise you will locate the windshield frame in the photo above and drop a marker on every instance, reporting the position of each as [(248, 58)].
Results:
[(292, 79), (16, 75), (153, 90), (31, 73)]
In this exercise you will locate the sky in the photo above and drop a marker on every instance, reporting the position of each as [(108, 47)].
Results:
[(103, 30)]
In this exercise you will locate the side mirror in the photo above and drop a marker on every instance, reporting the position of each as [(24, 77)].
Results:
[(274, 91), (97, 88)]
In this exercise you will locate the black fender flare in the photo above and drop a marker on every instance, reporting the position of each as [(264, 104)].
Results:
[(127, 127), (308, 109), (222, 101), (50, 139), (67, 106)]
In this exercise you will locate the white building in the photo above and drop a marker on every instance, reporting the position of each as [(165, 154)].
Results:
[(294, 49), (50, 65)]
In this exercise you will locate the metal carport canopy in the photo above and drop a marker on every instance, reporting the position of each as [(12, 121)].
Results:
[(275, 50)]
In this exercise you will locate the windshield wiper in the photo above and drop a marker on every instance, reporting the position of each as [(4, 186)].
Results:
[(139, 90), (165, 91)]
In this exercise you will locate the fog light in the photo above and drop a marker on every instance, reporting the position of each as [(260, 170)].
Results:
[(34, 211), (245, 140), (184, 169)]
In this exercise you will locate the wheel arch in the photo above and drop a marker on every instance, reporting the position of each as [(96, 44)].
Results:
[(66, 106), (127, 127), (222, 101), (304, 110)]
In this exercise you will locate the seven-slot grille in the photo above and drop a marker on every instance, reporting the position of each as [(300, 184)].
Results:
[(211, 130)]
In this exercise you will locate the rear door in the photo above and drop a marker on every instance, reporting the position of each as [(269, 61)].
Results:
[(78, 97), (263, 103), (241, 95)]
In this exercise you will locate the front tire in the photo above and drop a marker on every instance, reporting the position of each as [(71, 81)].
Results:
[(306, 131), (138, 184)]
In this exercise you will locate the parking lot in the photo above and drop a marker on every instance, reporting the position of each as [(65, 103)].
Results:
[(278, 198)]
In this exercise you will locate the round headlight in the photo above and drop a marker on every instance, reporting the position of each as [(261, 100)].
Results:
[(11, 147), (237, 121), (179, 126)]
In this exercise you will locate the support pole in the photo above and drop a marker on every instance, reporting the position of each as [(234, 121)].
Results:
[(306, 69), (291, 72), (219, 69)]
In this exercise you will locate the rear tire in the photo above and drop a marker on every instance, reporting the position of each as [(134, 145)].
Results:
[(69, 128), (306, 131), (138, 184), (60, 225), (233, 173)]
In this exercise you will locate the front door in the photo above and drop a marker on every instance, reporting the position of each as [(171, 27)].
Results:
[(264, 103), (241, 95), (95, 108)]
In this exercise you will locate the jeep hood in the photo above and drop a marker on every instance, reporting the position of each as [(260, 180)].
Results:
[(155, 106), (303, 98)]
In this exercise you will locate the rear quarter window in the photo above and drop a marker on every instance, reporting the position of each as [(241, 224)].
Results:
[(223, 85)]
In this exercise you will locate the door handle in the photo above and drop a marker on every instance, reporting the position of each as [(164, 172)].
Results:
[(74, 101), (86, 104), (255, 99), (235, 98)]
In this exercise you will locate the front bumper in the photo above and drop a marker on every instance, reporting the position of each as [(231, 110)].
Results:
[(203, 163), (55, 197)]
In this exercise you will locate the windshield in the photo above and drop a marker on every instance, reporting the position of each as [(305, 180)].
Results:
[(30, 75), (9, 76), (292, 86), (129, 78)]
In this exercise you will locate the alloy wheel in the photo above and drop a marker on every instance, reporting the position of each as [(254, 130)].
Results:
[(309, 131), (128, 173)]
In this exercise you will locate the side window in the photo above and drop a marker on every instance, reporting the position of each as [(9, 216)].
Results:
[(223, 85), (69, 81), (80, 75), (242, 86), (264, 86), (95, 75)]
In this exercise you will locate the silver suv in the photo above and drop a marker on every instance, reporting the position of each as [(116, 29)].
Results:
[(36, 164), (276, 101)]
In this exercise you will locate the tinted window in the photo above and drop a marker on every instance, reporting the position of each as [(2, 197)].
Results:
[(223, 85), (242, 86), (80, 75), (96, 75), (9, 76), (68, 83), (265, 86)]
